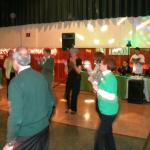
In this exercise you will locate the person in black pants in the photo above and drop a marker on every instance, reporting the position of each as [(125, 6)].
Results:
[(73, 69), (106, 89)]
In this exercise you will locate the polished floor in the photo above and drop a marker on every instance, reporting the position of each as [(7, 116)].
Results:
[(68, 137), (131, 128), (133, 119)]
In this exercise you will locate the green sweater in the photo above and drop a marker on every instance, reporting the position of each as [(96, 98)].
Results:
[(31, 104), (47, 70), (107, 94)]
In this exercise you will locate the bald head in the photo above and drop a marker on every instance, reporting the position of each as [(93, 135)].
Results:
[(22, 56)]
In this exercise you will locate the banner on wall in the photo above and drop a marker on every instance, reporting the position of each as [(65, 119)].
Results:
[(103, 50), (119, 51)]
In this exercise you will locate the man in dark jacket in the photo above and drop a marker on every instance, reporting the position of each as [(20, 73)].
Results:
[(31, 106)]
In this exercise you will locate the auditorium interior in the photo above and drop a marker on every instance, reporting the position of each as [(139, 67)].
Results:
[(113, 27)]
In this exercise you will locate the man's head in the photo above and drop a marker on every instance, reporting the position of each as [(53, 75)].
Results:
[(108, 63), (73, 52), (21, 57), (125, 63), (46, 52), (10, 52), (98, 56), (137, 50)]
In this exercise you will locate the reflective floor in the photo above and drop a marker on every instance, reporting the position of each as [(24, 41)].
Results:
[(133, 119)]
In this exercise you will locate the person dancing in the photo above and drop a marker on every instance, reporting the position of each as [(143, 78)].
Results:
[(73, 69), (106, 89)]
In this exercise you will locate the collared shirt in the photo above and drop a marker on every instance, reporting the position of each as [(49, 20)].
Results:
[(23, 68), (137, 67), (106, 72)]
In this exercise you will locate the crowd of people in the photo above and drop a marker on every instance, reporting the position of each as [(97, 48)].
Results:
[(28, 88)]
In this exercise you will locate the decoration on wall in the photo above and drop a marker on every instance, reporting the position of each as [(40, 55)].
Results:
[(118, 51), (103, 50), (32, 51), (88, 50), (4, 51)]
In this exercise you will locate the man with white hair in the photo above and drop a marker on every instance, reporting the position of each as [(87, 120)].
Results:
[(30, 106)]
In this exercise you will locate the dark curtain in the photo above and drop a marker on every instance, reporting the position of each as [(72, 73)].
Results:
[(46, 11)]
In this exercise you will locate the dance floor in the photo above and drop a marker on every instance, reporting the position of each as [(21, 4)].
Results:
[(133, 119)]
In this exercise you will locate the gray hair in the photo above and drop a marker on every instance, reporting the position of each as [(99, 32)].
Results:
[(74, 50), (22, 56)]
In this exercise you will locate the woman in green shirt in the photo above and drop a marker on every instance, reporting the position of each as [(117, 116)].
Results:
[(106, 90)]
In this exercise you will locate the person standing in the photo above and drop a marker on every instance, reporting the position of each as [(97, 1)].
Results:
[(9, 71), (30, 106), (47, 64), (137, 60), (95, 74), (73, 69), (106, 90)]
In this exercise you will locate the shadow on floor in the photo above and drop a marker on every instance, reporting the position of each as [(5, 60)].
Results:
[(66, 137)]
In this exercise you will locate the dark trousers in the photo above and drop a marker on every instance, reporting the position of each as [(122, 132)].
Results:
[(36, 142), (71, 94), (104, 138)]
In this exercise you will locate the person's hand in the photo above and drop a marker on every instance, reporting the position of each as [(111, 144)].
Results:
[(95, 88), (65, 62), (90, 79), (72, 60), (7, 147), (87, 65)]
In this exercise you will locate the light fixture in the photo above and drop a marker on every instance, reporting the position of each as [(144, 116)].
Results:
[(96, 41), (142, 25), (80, 37), (121, 20), (104, 28), (90, 27), (111, 41)]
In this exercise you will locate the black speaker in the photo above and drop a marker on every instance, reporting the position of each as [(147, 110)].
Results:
[(68, 40), (135, 91)]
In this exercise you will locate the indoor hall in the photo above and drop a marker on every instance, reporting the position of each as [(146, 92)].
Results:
[(50, 29), (77, 131)]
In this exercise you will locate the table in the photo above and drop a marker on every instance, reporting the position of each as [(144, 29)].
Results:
[(85, 84), (122, 85)]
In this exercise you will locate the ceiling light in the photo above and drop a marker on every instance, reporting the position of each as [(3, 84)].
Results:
[(104, 28), (90, 27), (96, 41)]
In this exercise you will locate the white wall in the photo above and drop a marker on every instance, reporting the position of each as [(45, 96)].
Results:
[(118, 32)]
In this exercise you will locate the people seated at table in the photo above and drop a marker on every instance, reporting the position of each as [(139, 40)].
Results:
[(137, 60), (125, 68)]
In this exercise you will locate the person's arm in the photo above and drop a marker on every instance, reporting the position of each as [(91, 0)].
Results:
[(131, 60), (5, 63), (66, 67), (16, 111), (109, 93), (78, 69), (77, 66), (142, 60)]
